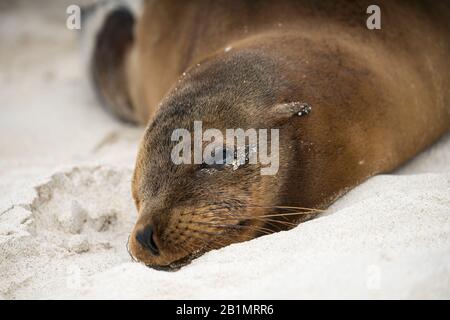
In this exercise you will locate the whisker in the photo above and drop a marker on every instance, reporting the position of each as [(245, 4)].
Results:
[(128, 249), (225, 218), (225, 236), (284, 214), (232, 214), (234, 226), (183, 248), (286, 207), (206, 244), (264, 219), (205, 232)]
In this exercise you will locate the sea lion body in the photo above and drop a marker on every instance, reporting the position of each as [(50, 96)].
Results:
[(378, 97)]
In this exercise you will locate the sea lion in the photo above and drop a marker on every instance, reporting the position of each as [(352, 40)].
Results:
[(377, 98)]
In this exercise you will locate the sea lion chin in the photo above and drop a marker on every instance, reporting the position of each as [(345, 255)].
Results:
[(348, 103)]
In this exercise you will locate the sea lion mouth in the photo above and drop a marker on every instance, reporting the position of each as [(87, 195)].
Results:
[(178, 264)]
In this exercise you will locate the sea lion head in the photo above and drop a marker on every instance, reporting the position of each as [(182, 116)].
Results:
[(185, 210)]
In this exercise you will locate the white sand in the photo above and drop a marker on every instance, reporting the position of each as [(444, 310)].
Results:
[(66, 209)]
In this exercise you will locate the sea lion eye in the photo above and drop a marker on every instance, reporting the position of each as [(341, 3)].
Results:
[(227, 158), (221, 157), (241, 156)]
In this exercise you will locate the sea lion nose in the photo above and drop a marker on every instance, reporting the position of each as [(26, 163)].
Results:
[(146, 238)]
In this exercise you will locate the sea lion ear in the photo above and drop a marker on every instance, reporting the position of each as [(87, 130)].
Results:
[(288, 110)]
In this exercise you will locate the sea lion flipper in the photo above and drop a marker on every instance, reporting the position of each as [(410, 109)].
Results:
[(112, 44)]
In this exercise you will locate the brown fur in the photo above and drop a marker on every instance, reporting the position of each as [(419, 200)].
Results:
[(112, 46), (379, 97)]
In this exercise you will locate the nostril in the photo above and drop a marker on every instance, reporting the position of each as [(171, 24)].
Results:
[(153, 246), (146, 239)]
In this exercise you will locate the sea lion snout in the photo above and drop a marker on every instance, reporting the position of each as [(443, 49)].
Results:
[(151, 243), (181, 235), (147, 246)]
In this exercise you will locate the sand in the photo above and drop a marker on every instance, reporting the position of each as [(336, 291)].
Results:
[(66, 209)]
